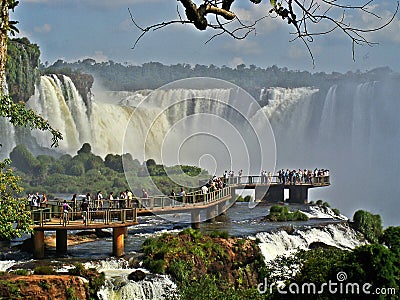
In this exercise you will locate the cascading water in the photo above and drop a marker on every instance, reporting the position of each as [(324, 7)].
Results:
[(352, 129), (282, 243), (7, 131)]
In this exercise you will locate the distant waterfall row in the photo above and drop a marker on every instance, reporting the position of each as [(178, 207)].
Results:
[(353, 129)]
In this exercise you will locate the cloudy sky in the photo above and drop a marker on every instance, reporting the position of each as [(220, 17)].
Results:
[(102, 29)]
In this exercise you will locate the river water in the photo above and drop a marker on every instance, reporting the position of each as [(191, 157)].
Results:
[(241, 220)]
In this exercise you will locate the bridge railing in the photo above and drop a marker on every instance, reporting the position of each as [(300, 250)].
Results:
[(45, 216), (191, 199), (121, 210), (258, 179)]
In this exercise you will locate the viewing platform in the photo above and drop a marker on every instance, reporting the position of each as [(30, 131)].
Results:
[(119, 219), (271, 188), (119, 214)]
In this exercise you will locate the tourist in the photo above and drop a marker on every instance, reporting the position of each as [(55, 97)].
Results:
[(65, 209), (182, 195), (99, 200), (74, 201), (111, 198), (129, 197), (240, 173), (89, 199), (44, 201), (84, 210), (122, 202)]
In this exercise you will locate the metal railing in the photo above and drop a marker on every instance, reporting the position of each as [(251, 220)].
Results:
[(45, 216), (258, 179)]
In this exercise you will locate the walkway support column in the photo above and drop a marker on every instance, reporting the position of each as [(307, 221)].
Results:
[(211, 213), (118, 241), (272, 193), (298, 194), (195, 220), (222, 208), (38, 244), (61, 241)]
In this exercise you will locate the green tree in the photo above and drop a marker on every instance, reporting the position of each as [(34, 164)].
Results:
[(368, 224), (13, 209), (86, 148), (23, 159)]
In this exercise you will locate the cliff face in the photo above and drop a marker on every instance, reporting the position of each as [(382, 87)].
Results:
[(22, 68), (39, 287)]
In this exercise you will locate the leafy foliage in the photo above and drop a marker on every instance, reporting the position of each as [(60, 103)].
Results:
[(278, 213), (15, 217), (96, 279), (44, 270), (22, 68), (205, 267), (86, 172), (368, 224)]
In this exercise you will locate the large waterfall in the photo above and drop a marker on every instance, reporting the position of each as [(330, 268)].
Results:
[(350, 128)]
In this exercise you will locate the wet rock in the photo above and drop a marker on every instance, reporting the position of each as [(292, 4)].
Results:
[(137, 275)]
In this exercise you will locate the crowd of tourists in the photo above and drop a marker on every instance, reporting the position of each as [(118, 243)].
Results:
[(300, 176), (37, 201)]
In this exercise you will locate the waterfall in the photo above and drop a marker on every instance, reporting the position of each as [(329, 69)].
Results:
[(290, 114), (7, 131), (118, 286), (49, 101), (283, 243), (350, 128), (328, 118)]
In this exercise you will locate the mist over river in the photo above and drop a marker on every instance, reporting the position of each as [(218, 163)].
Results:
[(350, 128)]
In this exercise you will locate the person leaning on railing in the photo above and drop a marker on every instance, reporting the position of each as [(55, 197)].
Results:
[(84, 210)]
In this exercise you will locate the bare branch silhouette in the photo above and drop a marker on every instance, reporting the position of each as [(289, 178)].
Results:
[(308, 18)]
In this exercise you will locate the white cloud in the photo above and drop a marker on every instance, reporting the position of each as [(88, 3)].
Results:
[(93, 3), (235, 62), (244, 47), (45, 28), (265, 25), (99, 56)]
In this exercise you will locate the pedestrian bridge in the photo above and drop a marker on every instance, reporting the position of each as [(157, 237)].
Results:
[(120, 214), (119, 219)]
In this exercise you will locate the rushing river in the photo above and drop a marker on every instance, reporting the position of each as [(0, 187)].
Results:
[(240, 220)]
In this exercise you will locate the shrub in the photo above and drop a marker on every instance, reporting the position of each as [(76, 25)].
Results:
[(368, 224), (219, 234), (281, 214), (21, 272), (44, 270), (96, 279)]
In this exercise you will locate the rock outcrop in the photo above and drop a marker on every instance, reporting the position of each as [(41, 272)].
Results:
[(43, 287)]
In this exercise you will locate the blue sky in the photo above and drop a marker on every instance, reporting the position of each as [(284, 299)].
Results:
[(101, 29)]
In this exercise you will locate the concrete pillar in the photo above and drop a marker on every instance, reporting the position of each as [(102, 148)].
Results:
[(233, 193), (273, 193), (118, 241), (211, 213), (195, 220), (222, 208), (38, 244), (298, 194), (61, 241)]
